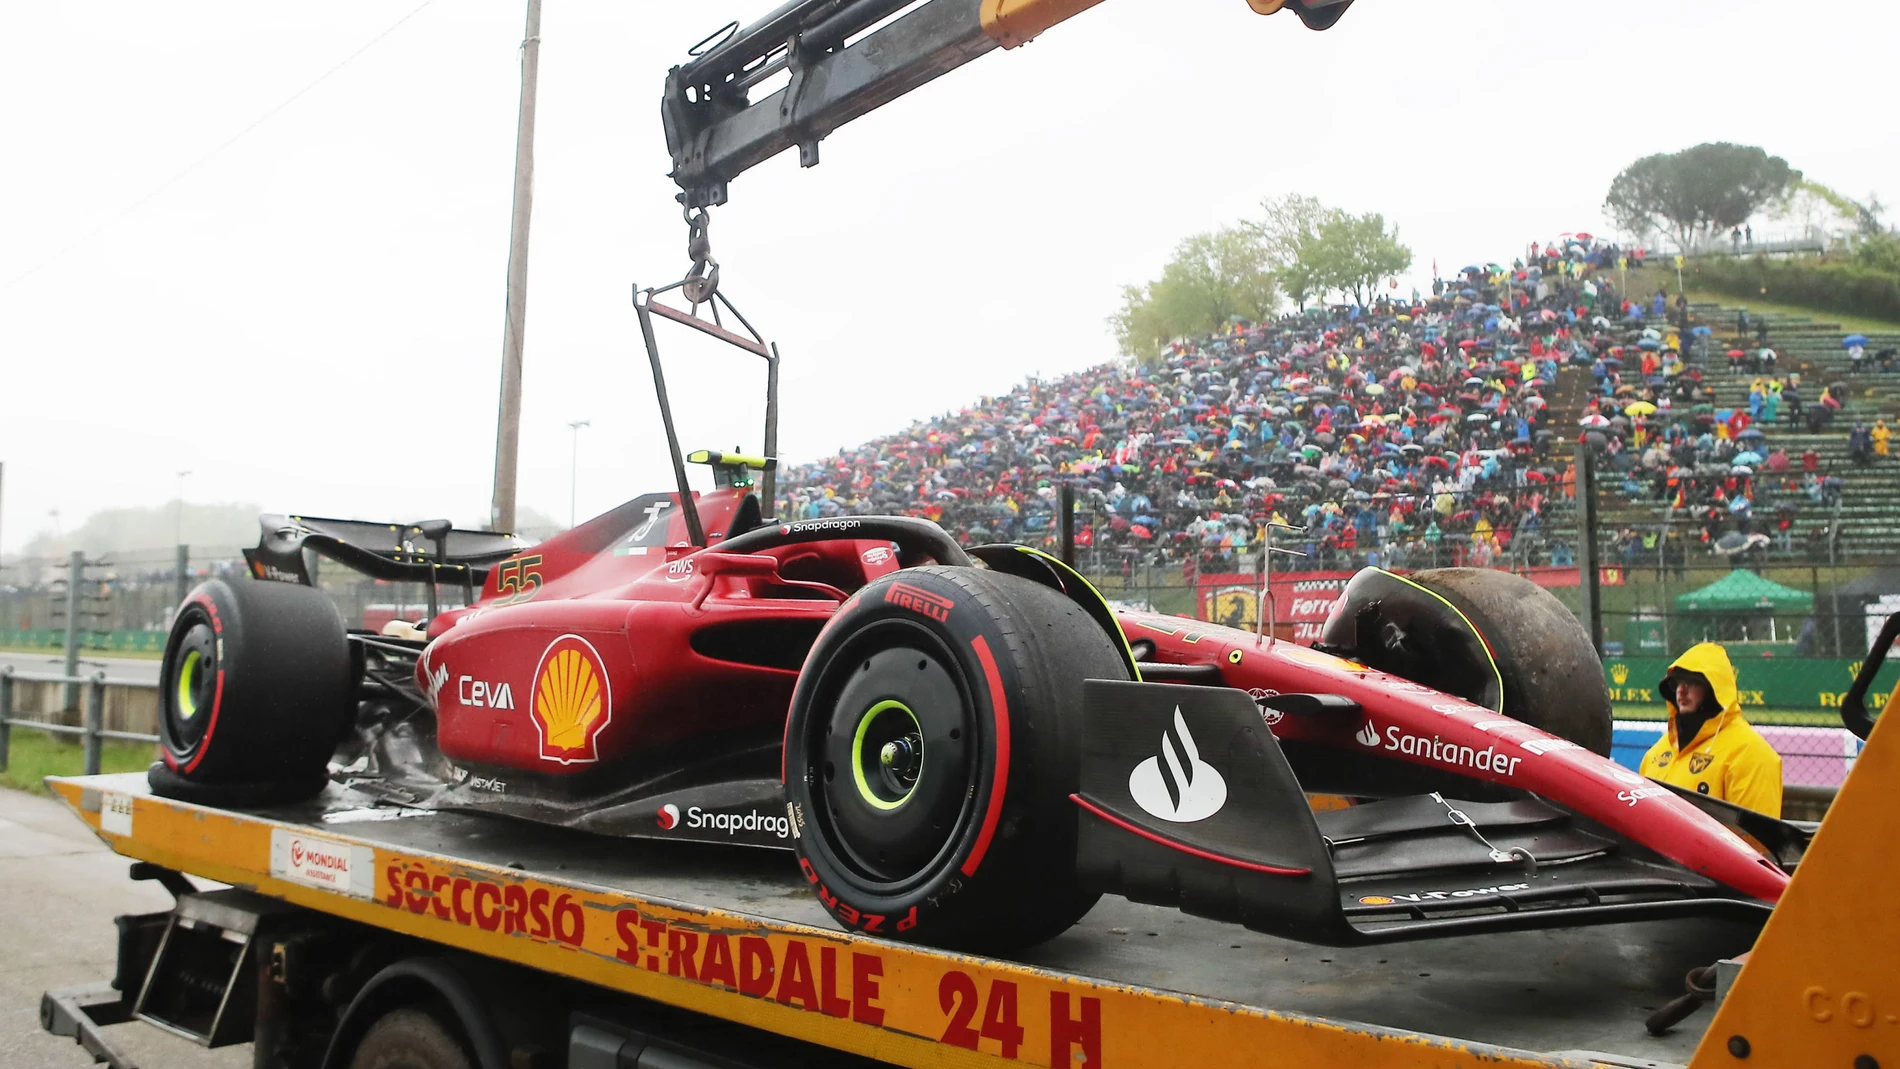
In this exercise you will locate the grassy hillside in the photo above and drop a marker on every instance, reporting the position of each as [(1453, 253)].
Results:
[(1651, 278)]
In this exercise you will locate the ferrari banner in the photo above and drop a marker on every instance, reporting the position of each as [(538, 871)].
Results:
[(1303, 599)]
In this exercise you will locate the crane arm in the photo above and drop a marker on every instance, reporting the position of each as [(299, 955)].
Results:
[(716, 132)]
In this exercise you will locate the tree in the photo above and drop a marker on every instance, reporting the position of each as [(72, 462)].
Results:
[(1813, 207), (1879, 251), (1352, 253), (1289, 231), (1212, 278), (1698, 191)]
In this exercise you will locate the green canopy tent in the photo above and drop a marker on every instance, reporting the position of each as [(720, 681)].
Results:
[(1742, 596)]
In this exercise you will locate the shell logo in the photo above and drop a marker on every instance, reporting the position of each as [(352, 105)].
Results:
[(573, 701), (1375, 900)]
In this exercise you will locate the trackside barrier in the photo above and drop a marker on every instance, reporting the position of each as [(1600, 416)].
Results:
[(93, 732)]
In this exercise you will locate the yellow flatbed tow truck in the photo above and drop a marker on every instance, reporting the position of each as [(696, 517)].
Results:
[(539, 947)]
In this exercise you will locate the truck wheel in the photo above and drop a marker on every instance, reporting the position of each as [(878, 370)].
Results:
[(254, 694), (1552, 677), (410, 1038), (932, 745)]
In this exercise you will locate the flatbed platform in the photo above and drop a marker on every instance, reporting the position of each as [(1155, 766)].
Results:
[(737, 933)]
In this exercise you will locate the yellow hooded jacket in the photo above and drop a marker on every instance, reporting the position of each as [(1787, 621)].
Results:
[(1728, 758)]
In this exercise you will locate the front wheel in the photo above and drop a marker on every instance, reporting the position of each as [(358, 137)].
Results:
[(932, 745)]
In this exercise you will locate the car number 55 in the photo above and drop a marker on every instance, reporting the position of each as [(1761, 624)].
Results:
[(517, 580)]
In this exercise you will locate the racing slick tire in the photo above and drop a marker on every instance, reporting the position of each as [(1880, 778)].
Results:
[(1552, 676), (254, 694), (932, 745)]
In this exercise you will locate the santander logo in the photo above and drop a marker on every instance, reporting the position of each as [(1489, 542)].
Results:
[(1368, 734), (1176, 785)]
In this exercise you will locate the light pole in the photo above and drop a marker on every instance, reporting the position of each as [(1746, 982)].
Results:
[(574, 465), (178, 512), (508, 421)]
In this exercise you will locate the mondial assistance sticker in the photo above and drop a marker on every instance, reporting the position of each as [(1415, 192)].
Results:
[(315, 861)]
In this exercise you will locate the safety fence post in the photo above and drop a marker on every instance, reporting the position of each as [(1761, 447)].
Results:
[(1067, 510), (75, 580), (95, 720), (1587, 547), (182, 565), (6, 713)]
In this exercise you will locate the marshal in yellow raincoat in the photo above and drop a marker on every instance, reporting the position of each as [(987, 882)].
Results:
[(1727, 758)]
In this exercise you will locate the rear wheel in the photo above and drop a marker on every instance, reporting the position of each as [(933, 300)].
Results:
[(410, 1038), (931, 748), (254, 693)]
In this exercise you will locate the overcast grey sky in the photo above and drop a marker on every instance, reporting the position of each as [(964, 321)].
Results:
[(312, 319)]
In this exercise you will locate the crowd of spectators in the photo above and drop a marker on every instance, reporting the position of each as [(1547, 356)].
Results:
[(1410, 432), (1727, 487)]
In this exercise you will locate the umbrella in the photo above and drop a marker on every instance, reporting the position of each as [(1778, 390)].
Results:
[(1702, 332), (1478, 417), (1752, 432), (1748, 457), (1640, 408), (1852, 340)]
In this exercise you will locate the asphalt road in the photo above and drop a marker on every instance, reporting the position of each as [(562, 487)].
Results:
[(117, 669), (62, 888)]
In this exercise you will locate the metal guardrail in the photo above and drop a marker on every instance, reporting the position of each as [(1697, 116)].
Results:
[(93, 731)]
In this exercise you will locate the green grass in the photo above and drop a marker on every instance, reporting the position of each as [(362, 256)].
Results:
[(1648, 280), (34, 755), (1849, 324)]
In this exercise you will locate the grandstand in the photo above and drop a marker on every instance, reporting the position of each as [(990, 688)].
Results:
[(1411, 433), (1437, 431), (1863, 522)]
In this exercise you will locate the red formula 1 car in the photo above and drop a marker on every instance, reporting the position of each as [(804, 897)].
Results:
[(964, 748)]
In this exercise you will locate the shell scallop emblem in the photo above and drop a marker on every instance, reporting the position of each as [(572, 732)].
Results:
[(572, 701)]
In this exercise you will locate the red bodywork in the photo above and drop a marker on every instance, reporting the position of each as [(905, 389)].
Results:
[(637, 620), (644, 625)]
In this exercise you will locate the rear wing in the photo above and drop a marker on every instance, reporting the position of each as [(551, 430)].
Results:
[(429, 551)]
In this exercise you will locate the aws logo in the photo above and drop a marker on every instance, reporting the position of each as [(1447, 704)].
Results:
[(572, 700), (1176, 785), (1620, 673)]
